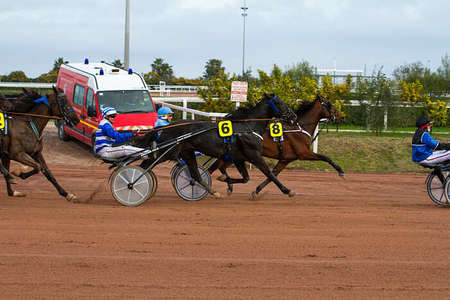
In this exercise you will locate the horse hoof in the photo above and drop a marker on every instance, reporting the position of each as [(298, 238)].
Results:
[(222, 178), (25, 169), (18, 194), (12, 181), (16, 172), (254, 195), (342, 175), (292, 193), (71, 197), (229, 192), (217, 195)]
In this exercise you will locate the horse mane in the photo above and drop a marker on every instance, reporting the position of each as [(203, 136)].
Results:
[(242, 112), (305, 106)]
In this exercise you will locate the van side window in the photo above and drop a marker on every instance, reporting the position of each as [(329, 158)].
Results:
[(91, 108), (78, 95)]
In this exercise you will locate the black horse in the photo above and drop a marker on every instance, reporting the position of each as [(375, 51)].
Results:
[(248, 125), (23, 143), (296, 144)]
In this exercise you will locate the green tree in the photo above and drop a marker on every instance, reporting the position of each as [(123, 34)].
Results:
[(376, 99), (413, 94), (213, 69), (300, 70), (118, 64), (16, 76), (57, 64), (163, 70), (217, 94), (443, 73), (409, 72)]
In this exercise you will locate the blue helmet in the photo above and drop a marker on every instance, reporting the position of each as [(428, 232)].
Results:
[(107, 111), (164, 111)]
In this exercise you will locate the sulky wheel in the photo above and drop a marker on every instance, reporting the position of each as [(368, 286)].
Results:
[(155, 183), (173, 171), (129, 192), (437, 189), (186, 187)]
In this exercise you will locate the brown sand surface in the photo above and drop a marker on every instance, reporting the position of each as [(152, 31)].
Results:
[(369, 236)]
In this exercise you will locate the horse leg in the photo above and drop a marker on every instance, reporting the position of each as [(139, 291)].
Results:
[(5, 171), (6, 162), (259, 162), (335, 166), (280, 166), (225, 177), (191, 162), (45, 170), (240, 166), (216, 165)]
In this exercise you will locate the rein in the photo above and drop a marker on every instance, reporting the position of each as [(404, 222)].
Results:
[(242, 120), (34, 115)]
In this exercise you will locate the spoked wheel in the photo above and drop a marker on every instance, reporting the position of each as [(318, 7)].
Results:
[(155, 185), (436, 189), (128, 192), (186, 187), (173, 171)]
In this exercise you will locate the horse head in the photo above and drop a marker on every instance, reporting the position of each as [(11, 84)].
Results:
[(280, 109), (329, 111), (63, 108)]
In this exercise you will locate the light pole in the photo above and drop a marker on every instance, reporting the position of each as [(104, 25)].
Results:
[(244, 14), (126, 56)]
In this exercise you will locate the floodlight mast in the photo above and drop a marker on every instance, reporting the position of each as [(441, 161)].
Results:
[(244, 14), (126, 58)]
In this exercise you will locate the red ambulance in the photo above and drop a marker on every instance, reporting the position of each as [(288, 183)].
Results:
[(93, 86)]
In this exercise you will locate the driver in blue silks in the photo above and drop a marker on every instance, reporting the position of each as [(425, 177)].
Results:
[(425, 150), (106, 138), (164, 116)]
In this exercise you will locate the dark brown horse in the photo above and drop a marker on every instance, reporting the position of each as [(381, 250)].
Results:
[(297, 140), (248, 125), (23, 142), (20, 103)]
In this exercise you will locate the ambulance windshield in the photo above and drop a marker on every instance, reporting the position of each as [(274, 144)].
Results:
[(126, 102)]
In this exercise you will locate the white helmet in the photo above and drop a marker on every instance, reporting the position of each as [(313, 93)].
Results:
[(107, 111)]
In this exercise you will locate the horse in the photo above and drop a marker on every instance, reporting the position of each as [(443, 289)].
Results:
[(296, 142), (248, 125), (21, 103), (23, 142)]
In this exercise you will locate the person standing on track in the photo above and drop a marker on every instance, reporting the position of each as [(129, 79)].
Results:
[(425, 150), (106, 138)]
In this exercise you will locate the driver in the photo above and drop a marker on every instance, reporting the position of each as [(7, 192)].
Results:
[(165, 115), (106, 138), (425, 150)]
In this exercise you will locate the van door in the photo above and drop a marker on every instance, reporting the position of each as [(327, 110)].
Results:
[(79, 92), (92, 119)]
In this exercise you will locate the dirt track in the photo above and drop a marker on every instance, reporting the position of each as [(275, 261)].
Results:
[(370, 236)]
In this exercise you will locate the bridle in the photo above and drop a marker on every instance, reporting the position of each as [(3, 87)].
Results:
[(288, 115), (60, 101)]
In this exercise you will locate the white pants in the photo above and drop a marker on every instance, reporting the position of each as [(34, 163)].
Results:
[(120, 151), (436, 158)]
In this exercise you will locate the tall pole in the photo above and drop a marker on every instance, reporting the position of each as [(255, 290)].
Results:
[(244, 14), (126, 58)]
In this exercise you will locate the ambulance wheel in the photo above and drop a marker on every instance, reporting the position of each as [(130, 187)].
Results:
[(186, 187), (436, 189), (128, 192), (63, 136)]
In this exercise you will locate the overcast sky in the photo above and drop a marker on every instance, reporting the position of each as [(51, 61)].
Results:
[(353, 34)]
